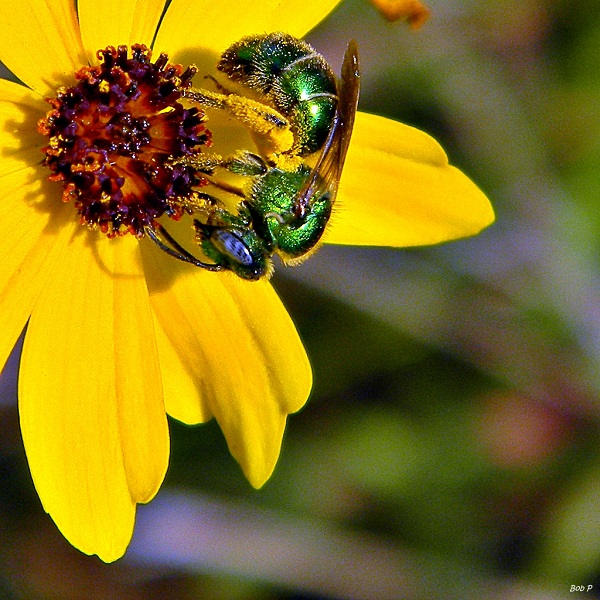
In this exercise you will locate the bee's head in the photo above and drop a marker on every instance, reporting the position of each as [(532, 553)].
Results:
[(237, 249)]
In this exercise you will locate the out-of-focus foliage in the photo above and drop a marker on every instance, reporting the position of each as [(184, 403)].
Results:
[(451, 444)]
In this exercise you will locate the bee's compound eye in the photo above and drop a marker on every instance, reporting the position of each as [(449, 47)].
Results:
[(232, 246)]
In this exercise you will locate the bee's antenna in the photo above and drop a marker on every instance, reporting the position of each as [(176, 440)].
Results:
[(157, 233)]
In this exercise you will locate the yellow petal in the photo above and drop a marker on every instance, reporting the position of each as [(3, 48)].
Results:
[(142, 419), (33, 233), (198, 31), (41, 43), (237, 340), (298, 17), (118, 22), (20, 110), (182, 394), (89, 395), (398, 190)]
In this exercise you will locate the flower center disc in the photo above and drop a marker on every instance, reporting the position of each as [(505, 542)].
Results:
[(115, 138)]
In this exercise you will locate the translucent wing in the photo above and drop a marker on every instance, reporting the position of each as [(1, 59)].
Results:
[(326, 173)]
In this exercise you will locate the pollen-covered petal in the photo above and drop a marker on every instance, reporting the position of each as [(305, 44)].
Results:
[(32, 238), (41, 44), (20, 110), (238, 342), (90, 395), (193, 27), (117, 22), (398, 189)]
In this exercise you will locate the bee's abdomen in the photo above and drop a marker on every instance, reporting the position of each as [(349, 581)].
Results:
[(306, 92), (292, 77)]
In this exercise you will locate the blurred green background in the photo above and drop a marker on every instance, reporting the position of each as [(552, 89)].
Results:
[(450, 448)]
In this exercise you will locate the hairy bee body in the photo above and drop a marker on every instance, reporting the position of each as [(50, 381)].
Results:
[(290, 76), (281, 90)]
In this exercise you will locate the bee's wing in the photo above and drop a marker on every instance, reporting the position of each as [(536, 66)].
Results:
[(349, 89), (327, 171)]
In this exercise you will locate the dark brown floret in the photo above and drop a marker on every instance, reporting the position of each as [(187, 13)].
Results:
[(115, 138)]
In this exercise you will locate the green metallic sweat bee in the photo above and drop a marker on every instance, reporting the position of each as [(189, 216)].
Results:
[(301, 117)]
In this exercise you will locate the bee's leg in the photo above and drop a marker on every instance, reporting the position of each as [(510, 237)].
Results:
[(212, 211), (272, 130), (245, 163), (257, 116), (220, 87), (205, 163), (163, 239), (200, 202)]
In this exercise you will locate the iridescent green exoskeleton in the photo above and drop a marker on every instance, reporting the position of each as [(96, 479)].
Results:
[(290, 76), (301, 118), (272, 219)]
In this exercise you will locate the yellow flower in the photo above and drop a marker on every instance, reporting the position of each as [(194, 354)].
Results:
[(119, 334)]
